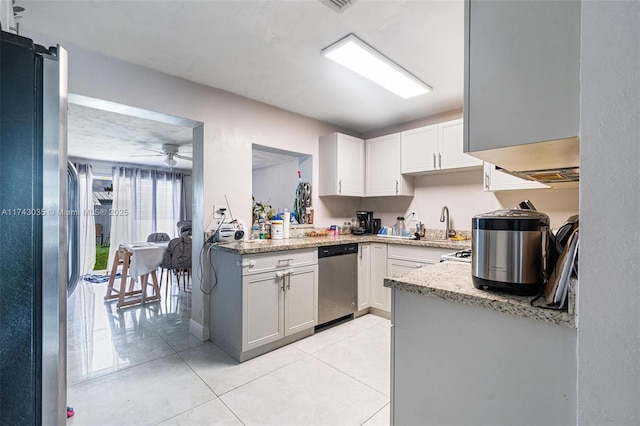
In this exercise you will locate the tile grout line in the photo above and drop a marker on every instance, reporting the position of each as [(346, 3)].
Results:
[(374, 414), (218, 397), (350, 376)]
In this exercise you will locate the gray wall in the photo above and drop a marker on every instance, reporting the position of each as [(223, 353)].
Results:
[(609, 289)]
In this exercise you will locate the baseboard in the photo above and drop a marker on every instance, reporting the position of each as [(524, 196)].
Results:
[(198, 330), (380, 313)]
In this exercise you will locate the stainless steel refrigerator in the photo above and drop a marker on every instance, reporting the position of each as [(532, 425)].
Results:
[(35, 272)]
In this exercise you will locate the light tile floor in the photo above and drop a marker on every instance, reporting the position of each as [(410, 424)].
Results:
[(140, 366)]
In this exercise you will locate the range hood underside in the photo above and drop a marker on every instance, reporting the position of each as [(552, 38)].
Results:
[(547, 162)]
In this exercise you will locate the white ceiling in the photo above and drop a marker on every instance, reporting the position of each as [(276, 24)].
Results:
[(108, 136), (269, 50)]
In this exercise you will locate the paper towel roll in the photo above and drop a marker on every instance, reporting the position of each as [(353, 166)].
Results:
[(286, 218)]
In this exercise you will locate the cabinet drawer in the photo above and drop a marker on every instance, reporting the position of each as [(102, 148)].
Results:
[(416, 254), (258, 263)]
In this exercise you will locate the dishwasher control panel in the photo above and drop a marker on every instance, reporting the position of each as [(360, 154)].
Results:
[(337, 250)]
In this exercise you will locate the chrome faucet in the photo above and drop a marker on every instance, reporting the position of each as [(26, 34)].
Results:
[(445, 209)]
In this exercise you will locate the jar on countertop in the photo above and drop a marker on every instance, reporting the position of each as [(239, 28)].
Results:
[(399, 228)]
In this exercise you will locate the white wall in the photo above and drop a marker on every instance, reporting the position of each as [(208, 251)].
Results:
[(463, 194), (277, 184), (609, 289)]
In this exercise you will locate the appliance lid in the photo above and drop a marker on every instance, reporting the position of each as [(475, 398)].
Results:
[(511, 220), (555, 161)]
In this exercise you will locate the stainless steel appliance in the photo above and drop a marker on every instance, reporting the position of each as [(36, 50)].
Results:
[(337, 282), (510, 250), (376, 224), (365, 220), (35, 276)]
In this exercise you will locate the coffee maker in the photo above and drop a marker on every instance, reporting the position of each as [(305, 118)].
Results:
[(365, 220)]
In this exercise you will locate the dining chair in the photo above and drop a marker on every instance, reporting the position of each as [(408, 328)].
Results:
[(177, 261), (158, 237)]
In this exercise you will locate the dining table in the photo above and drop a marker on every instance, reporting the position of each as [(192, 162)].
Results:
[(139, 262)]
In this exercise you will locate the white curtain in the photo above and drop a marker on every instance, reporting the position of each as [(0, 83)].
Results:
[(144, 202), (87, 221)]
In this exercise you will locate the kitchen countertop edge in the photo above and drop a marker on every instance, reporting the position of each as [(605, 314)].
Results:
[(452, 281), (313, 242)]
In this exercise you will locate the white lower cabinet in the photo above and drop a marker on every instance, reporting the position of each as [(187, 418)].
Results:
[(259, 302), (416, 255), (278, 304), (380, 295), (364, 276), (263, 306), (397, 267), (300, 299)]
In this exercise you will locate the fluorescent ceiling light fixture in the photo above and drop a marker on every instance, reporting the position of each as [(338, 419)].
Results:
[(363, 59)]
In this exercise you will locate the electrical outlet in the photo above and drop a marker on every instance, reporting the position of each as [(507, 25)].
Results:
[(217, 214)]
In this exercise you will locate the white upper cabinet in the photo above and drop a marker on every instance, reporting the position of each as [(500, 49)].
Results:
[(435, 147), (383, 173), (342, 165), (451, 147), (522, 72), (496, 180), (419, 149)]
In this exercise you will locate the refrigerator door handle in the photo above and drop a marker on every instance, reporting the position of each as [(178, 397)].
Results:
[(74, 229)]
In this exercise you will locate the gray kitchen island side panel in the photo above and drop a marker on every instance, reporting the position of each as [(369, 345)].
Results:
[(225, 314), (461, 364)]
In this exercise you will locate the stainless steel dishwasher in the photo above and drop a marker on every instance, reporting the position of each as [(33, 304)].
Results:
[(337, 282)]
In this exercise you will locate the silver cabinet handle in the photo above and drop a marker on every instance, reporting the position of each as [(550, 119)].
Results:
[(360, 251), (434, 160), (340, 187), (396, 186), (439, 160), (281, 274), (486, 181)]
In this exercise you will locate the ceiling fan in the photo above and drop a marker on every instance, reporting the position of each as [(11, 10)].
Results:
[(169, 151)]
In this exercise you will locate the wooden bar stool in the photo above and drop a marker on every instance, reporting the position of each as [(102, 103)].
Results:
[(131, 297)]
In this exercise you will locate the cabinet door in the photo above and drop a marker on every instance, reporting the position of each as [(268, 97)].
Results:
[(263, 309), (342, 165), (495, 180), (451, 147), (522, 72), (350, 166), (416, 254), (380, 295), (364, 276), (419, 148), (397, 267), (301, 299), (383, 166)]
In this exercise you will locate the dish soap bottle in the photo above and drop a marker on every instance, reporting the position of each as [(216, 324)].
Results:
[(399, 228)]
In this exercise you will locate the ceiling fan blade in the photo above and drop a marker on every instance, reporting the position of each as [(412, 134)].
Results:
[(154, 150), (182, 157)]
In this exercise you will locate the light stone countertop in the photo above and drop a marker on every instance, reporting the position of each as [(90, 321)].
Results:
[(267, 246), (452, 281)]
